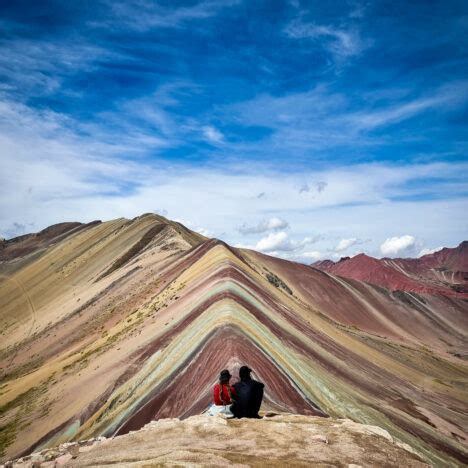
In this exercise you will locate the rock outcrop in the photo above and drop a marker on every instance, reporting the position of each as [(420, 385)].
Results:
[(282, 440)]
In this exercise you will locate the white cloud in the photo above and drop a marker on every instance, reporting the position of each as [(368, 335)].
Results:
[(313, 255), (271, 224), (307, 257), (274, 241), (203, 231), (143, 15), (212, 134), (427, 251), (346, 243), (398, 245), (280, 241), (340, 42)]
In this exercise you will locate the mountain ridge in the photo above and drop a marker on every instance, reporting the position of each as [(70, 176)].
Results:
[(442, 272), (103, 355)]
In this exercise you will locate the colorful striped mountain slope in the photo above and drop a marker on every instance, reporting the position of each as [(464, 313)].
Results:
[(107, 326)]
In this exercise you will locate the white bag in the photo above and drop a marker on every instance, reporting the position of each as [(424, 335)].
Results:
[(221, 410)]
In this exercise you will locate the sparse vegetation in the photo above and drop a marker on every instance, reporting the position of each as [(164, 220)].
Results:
[(7, 435), (278, 282), (24, 405), (26, 368)]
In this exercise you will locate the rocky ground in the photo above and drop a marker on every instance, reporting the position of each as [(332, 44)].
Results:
[(277, 440)]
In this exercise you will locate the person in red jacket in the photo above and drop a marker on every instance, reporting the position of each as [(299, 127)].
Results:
[(223, 393)]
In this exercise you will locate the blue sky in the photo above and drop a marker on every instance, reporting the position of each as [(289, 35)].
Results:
[(303, 129)]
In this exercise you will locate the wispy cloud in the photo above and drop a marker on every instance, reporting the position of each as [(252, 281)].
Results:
[(345, 244), (212, 134), (272, 224), (38, 67), (450, 95), (145, 14), (340, 42), (320, 119)]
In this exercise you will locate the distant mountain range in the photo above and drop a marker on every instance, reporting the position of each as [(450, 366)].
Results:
[(106, 326), (443, 272)]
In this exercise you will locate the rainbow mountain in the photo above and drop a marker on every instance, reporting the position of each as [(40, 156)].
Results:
[(107, 326)]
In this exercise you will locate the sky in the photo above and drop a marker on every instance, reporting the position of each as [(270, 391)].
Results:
[(302, 129)]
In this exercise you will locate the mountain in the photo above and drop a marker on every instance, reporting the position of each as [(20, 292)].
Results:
[(444, 272), (107, 326)]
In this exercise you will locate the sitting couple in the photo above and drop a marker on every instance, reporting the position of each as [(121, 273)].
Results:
[(242, 400)]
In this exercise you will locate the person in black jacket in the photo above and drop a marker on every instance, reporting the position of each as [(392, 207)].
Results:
[(249, 395)]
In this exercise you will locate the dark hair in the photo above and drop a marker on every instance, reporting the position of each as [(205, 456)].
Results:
[(244, 372), (224, 376)]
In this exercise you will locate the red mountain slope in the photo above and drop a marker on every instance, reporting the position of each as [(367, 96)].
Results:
[(443, 272)]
